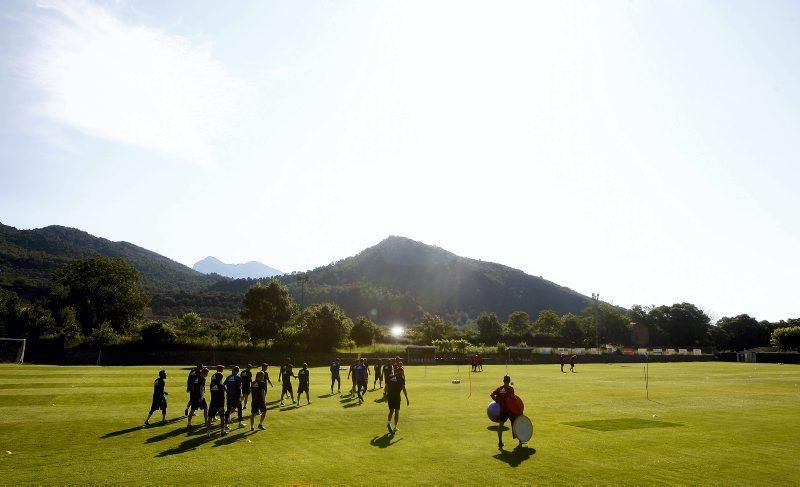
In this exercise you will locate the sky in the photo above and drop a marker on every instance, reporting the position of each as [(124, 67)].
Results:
[(643, 150)]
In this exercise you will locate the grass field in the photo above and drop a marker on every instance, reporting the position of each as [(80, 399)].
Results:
[(714, 423)]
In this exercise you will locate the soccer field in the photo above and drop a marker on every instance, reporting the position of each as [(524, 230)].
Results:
[(706, 423)]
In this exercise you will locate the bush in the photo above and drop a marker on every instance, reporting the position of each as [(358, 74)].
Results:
[(502, 348), (786, 338), (442, 346), (157, 333), (103, 336), (324, 327), (460, 345), (289, 339)]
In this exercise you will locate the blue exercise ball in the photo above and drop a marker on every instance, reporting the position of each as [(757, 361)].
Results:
[(493, 412)]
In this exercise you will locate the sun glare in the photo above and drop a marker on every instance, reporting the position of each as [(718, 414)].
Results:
[(398, 331)]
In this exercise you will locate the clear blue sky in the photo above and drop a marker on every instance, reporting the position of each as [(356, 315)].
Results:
[(647, 151)]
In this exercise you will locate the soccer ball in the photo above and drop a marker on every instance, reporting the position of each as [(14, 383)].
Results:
[(493, 412)]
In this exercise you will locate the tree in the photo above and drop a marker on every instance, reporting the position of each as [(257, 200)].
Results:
[(739, 333), (157, 333), (681, 324), (787, 338), (364, 331), (489, 328), (10, 305), (548, 322), (191, 325), (101, 337), (68, 323), (613, 324), (519, 323), (100, 289), (432, 327), (324, 327), (266, 309), (573, 330), (233, 331)]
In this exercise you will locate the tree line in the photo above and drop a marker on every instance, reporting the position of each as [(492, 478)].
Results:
[(98, 301)]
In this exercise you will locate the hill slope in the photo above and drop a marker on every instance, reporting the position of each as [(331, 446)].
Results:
[(252, 269), (33, 255), (399, 279)]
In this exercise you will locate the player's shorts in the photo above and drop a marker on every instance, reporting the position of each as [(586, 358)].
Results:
[(245, 388), (302, 388), (234, 401), (216, 408), (393, 402), (159, 403), (258, 408), (287, 387), (363, 383), (199, 402)]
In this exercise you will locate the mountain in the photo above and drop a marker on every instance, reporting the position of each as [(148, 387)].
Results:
[(399, 279), (30, 257), (252, 269)]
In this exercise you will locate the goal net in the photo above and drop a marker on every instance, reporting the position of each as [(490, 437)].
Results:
[(421, 355), (12, 350)]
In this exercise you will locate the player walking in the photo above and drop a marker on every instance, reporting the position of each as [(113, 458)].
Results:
[(378, 377), (395, 383), (572, 361), (562, 359), (501, 396), (303, 383), (352, 372), (159, 398), (217, 407), (189, 382), (247, 378), (286, 374), (386, 372), (196, 399), (363, 379), (258, 403), (233, 388), (335, 375)]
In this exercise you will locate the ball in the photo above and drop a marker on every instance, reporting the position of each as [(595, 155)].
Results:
[(493, 412)]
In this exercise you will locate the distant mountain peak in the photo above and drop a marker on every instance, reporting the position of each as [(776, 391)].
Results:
[(251, 269)]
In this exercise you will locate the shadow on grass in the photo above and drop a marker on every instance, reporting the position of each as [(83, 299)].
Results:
[(496, 427), (621, 424), (380, 399), (154, 424), (230, 438), (165, 436), (324, 396), (353, 404), (187, 445), (384, 441), (516, 456)]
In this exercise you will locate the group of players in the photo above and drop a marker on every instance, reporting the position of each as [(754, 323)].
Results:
[(233, 392)]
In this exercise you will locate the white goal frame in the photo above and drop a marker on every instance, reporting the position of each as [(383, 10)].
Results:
[(21, 352)]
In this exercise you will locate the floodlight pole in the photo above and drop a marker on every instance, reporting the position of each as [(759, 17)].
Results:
[(596, 298)]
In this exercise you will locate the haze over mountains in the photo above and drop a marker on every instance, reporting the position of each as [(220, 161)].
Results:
[(397, 279), (252, 269)]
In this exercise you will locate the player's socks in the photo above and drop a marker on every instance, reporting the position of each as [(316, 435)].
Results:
[(389, 427)]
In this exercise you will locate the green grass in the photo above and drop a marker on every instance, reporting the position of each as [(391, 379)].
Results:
[(714, 423)]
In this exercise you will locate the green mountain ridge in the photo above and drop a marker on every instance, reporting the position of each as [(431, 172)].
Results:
[(396, 280)]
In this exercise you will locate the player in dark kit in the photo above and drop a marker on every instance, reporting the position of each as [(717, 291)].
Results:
[(561, 358), (378, 376), (335, 375), (351, 374), (247, 378), (196, 399), (303, 384), (501, 396), (233, 389), (363, 379), (217, 407), (285, 376), (572, 360), (159, 398), (189, 381), (217, 377), (258, 403), (264, 368), (387, 371), (395, 383)]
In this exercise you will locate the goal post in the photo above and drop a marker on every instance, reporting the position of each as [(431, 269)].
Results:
[(421, 354), (12, 350)]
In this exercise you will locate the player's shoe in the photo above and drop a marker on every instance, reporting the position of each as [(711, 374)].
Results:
[(261, 427), (241, 425), (500, 445), (389, 427), (186, 412), (309, 402), (147, 423), (396, 429), (281, 403), (252, 429)]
